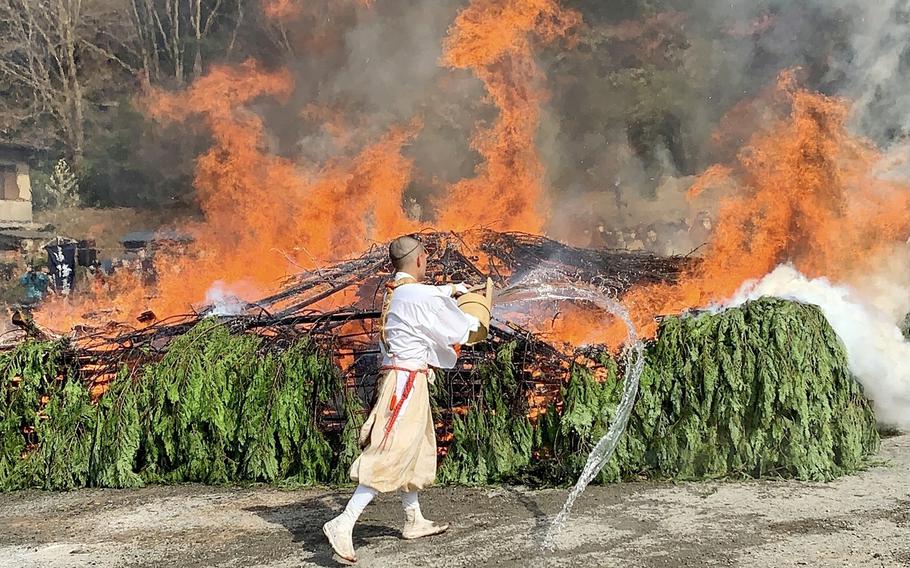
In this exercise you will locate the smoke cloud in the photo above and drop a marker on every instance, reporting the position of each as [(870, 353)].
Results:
[(223, 301), (876, 349), (876, 68), (380, 70), (635, 105)]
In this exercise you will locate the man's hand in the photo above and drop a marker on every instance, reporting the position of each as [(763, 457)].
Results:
[(460, 288)]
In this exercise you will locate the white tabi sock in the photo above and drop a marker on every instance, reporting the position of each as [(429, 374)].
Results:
[(416, 526), (409, 501), (359, 501)]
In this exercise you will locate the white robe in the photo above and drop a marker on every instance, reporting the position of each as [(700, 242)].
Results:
[(422, 326)]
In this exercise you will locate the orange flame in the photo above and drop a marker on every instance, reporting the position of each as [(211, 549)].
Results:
[(265, 216), (257, 203), (492, 38), (806, 192), (570, 323)]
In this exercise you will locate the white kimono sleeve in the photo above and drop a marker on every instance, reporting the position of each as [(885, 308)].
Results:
[(451, 326)]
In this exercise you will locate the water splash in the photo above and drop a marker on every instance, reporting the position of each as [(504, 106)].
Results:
[(540, 286)]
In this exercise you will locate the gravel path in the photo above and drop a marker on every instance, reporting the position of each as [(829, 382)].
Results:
[(859, 521)]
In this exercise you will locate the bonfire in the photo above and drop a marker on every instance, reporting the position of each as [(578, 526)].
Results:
[(199, 376), (274, 389)]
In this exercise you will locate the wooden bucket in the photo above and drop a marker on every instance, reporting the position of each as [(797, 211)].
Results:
[(481, 307)]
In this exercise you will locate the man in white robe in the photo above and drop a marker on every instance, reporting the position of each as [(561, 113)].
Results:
[(422, 328)]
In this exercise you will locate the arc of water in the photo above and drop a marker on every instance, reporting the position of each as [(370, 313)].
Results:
[(633, 354)]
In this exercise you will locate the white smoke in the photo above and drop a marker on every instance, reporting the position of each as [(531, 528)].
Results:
[(878, 355), (223, 301), (877, 67)]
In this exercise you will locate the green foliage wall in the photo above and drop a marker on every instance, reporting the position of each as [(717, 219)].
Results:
[(493, 441), (218, 408), (758, 391)]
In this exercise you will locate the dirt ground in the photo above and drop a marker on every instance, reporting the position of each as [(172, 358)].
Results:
[(858, 521)]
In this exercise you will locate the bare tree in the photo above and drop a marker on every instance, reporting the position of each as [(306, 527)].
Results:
[(38, 54), (167, 29), (54, 57), (144, 22), (62, 61), (202, 23)]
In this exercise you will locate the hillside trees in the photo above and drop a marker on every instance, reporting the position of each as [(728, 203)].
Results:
[(71, 76), (43, 50)]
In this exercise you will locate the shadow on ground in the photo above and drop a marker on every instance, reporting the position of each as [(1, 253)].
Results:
[(304, 520)]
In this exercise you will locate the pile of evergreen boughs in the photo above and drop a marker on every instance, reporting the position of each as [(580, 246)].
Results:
[(217, 408), (761, 390), (494, 440)]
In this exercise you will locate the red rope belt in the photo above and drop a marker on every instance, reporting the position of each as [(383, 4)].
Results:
[(395, 404)]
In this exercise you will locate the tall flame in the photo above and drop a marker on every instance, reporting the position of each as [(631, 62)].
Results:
[(265, 216), (803, 191), (492, 38), (257, 203)]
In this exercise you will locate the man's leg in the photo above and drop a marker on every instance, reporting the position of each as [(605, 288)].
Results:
[(339, 530), (415, 525)]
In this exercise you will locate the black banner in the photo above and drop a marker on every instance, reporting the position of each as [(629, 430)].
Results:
[(61, 260)]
